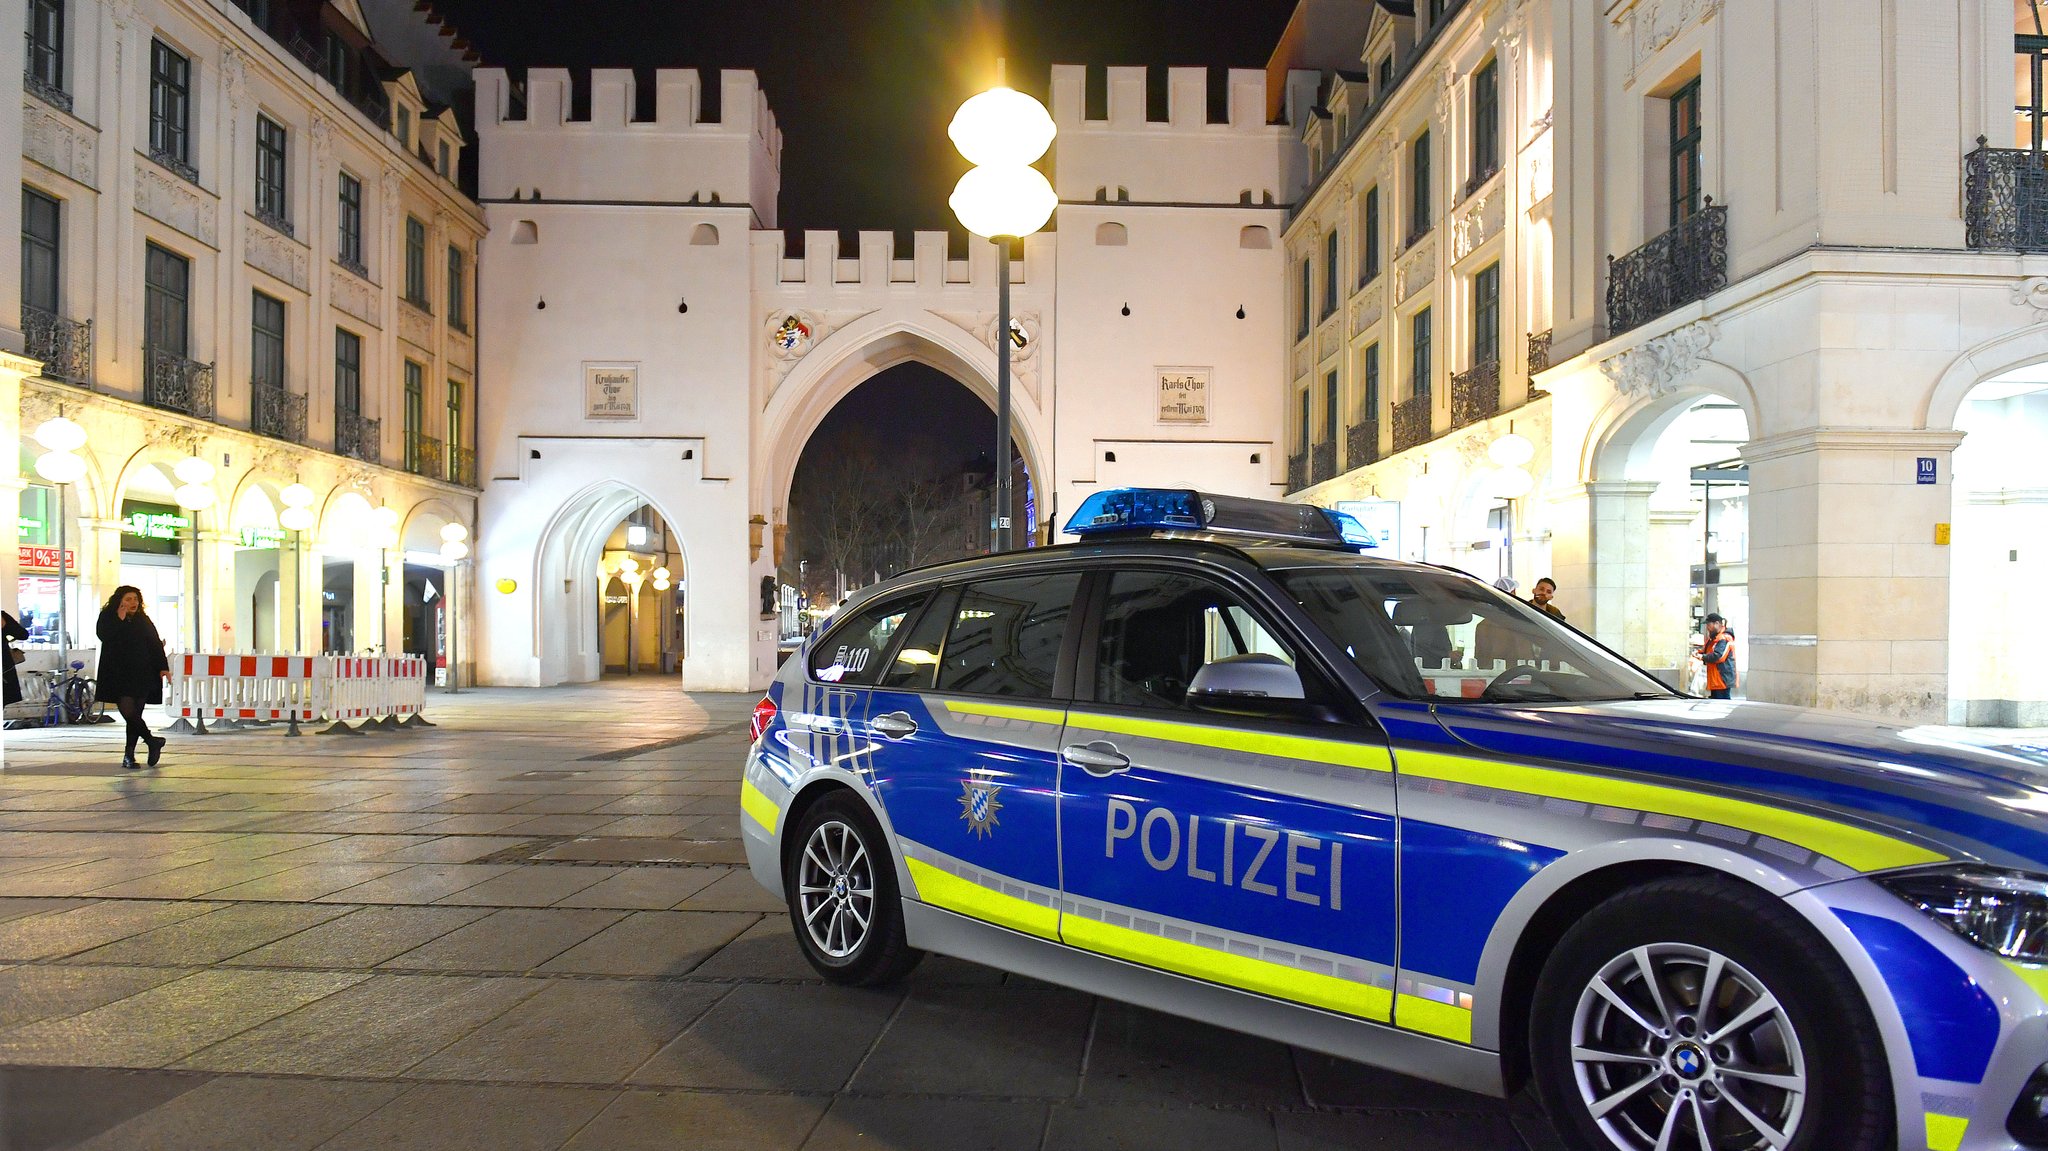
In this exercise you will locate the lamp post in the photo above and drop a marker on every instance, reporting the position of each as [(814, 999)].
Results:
[(454, 549), (62, 466), (298, 517), (194, 495), (1002, 132), (384, 530)]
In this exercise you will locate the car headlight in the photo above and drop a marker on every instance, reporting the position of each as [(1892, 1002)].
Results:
[(2003, 912)]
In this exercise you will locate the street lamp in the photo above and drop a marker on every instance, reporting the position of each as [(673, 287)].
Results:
[(454, 549), (384, 533), (1002, 132), (62, 466), (194, 495), (297, 517)]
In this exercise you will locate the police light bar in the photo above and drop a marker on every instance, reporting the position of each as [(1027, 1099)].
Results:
[(1143, 511)]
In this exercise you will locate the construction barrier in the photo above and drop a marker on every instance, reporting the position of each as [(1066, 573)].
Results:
[(229, 688)]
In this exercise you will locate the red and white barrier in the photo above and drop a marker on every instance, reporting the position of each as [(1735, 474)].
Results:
[(389, 691)]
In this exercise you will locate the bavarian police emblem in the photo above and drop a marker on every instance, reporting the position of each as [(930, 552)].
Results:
[(979, 805)]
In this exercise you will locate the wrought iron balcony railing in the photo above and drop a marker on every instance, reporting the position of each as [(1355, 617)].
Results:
[(174, 383), (1411, 422), (1361, 443), (277, 413), (1539, 351), (275, 221), (64, 346), (177, 164), (1689, 262), (356, 436), (423, 455), (1297, 471), (45, 91), (1323, 462), (462, 466), (2005, 198), (1475, 394)]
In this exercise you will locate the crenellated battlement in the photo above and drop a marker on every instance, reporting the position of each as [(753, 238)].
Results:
[(530, 147), (1187, 101), (876, 263)]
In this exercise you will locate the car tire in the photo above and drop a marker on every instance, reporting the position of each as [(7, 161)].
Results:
[(1807, 1061), (844, 906)]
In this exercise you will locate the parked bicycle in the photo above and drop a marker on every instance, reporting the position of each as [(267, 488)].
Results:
[(71, 699)]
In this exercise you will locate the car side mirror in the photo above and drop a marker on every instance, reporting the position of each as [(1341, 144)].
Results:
[(1254, 684)]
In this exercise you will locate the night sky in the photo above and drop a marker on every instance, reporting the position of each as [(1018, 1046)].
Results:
[(862, 92)]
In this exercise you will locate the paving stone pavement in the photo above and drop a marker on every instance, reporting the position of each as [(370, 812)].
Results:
[(453, 937)]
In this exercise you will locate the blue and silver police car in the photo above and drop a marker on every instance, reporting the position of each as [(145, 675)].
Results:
[(1220, 761)]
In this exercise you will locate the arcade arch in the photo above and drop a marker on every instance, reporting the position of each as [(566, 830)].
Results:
[(1996, 568)]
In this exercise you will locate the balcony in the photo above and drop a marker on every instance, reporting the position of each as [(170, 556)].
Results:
[(176, 164), (45, 91), (277, 413), (356, 437), (2005, 199), (1361, 443), (1297, 471), (1475, 394), (64, 346), (1411, 422), (176, 384), (1539, 360), (275, 221), (462, 466), (1687, 263), (1323, 462), (423, 455)]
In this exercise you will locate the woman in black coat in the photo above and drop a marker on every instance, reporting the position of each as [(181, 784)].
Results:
[(132, 668), (15, 634)]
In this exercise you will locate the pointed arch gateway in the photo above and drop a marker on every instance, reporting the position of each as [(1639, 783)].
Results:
[(571, 587), (867, 347)]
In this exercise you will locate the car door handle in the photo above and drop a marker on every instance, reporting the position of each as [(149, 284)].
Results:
[(895, 724), (1099, 759)]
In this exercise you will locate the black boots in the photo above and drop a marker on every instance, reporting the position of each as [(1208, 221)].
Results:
[(156, 748)]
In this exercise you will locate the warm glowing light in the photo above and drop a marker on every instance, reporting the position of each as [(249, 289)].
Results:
[(385, 516), (297, 496), (194, 497), (60, 467), (193, 470), (454, 551), (636, 535), (452, 533), (661, 573), (1511, 451), (661, 585), (60, 435), (628, 565), (1512, 483), (297, 519), (1012, 200), (1001, 126)]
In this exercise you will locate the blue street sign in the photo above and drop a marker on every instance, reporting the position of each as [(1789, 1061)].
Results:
[(1925, 474)]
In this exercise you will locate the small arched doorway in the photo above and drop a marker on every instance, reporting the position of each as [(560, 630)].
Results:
[(613, 589)]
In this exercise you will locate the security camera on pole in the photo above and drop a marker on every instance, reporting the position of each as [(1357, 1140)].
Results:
[(1002, 132)]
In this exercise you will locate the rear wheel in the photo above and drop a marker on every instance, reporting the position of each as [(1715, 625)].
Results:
[(1702, 1015), (843, 900)]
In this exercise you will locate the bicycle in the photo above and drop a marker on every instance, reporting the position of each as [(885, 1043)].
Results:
[(71, 698)]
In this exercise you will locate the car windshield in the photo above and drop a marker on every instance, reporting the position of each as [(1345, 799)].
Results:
[(1422, 633)]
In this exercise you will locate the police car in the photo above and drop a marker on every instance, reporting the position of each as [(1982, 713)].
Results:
[(1219, 760)]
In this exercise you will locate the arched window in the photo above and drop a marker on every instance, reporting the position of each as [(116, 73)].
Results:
[(1111, 235), (704, 236), (1255, 236), (526, 232)]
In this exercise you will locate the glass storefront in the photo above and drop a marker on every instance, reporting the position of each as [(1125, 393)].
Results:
[(337, 604)]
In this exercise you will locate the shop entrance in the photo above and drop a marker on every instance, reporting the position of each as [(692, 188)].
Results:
[(1996, 560)]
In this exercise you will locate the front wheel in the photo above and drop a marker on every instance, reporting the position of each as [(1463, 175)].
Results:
[(1701, 1014), (843, 901)]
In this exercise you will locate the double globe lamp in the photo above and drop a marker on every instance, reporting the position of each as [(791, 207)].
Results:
[(61, 464), (1002, 132)]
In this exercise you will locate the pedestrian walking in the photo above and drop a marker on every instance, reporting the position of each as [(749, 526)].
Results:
[(133, 666), (1541, 595), (13, 632), (1717, 652)]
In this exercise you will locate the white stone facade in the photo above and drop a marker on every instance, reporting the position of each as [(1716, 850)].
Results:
[(88, 148)]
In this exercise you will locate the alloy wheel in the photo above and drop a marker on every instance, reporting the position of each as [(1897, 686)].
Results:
[(1676, 1047), (836, 889)]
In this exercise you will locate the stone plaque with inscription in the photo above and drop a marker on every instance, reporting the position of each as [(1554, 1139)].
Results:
[(611, 391), (1183, 395)]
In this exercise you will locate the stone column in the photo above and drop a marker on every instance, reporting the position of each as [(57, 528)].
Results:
[(1601, 560), (12, 369), (1849, 592), (217, 586)]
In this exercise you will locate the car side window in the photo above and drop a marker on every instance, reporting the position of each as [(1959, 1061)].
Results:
[(851, 653), (1005, 635), (916, 665), (1159, 628)]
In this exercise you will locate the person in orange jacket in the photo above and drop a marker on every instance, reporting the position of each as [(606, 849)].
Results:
[(1718, 654)]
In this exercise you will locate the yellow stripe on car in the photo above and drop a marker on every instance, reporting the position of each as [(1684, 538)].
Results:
[(1050, 715), (1340, 753), (1317, 990), (1945, 1132), (2034, 977), (942, 888), (1443, 1020), (1853, 846), (756, 804)]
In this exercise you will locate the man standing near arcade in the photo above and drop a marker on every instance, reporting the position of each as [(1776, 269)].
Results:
[(1718, 654)]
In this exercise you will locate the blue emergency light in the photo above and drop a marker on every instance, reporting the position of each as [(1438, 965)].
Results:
[(1144, 511)]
